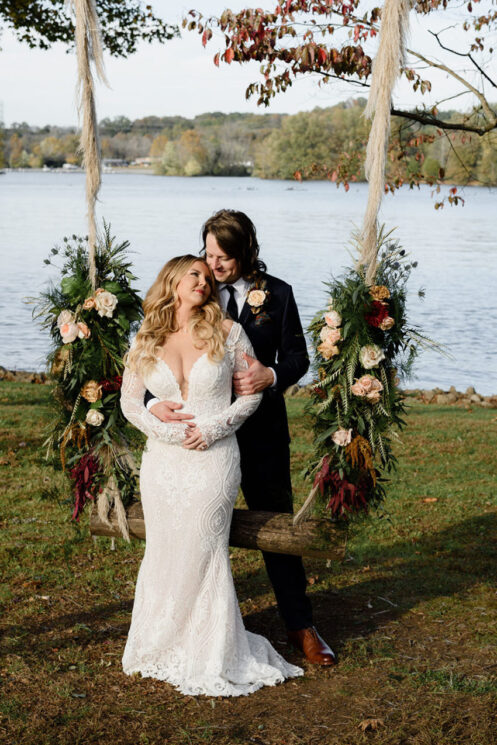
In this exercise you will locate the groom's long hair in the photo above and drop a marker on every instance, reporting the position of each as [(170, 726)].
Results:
[(159, 307), (236, 235)]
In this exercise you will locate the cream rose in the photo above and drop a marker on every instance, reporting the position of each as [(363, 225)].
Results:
[(333, 319), (328, 350), (83, 332), (105, 303), (387, 323), (371, 355), (330, 335), (342, 437), (69, 332), (373, 397), (256, 298), (65, 317), (94, 417)]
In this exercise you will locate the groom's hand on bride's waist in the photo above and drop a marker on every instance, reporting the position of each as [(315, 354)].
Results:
[(168, 411), (255, 379)]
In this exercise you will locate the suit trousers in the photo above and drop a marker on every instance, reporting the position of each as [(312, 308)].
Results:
[(266, 485)]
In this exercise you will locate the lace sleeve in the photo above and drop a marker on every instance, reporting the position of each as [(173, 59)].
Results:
[(228, 421), (135, 411)]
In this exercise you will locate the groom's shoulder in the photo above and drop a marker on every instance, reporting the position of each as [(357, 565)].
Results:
[(276, 285)]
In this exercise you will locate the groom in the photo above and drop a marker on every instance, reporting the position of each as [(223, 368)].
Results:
[(266, 309)]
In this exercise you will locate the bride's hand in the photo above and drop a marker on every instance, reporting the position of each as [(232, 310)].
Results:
[(194, 440)]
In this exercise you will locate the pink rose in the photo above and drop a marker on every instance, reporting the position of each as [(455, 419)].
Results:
[(84, 332), (333, 319), (373, 397), (367, 386), (342, 437), (330, 335), (69, 332)]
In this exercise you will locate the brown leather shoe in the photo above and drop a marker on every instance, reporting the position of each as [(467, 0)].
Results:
[(312, 646)]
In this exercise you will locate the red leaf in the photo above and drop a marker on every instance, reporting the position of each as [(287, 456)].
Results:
[(229, 55), (204, 38), (322, 56), (346, 187), (334, 176), (298, 175), (216, 60)]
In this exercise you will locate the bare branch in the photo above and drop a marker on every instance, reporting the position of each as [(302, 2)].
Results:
[(426, 118), (492, 117), (464, 54)]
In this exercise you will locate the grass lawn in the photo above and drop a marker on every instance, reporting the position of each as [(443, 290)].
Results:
[(411, 612)]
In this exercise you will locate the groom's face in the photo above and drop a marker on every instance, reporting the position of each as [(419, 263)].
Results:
[(225, 269)]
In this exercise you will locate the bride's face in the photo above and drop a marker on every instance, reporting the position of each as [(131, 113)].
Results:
[(195, 287)]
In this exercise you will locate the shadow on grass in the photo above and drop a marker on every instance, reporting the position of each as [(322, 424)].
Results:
[(449, 563)]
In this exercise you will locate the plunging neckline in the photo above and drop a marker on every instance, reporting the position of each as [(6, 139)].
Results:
[(188, 379), (175, 379)]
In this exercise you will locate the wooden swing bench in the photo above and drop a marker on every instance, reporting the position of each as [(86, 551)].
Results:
[(263, 531)]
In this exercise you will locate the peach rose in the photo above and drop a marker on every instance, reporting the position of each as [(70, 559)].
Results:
[(333, 319), (379, 292), (105, 303), (94, 417), (330, 335), (84, 332), (371, 355), (387, 323), (89, 303), (342, 437), (373, 397), (69, 332), (328, 350), (65, 316)]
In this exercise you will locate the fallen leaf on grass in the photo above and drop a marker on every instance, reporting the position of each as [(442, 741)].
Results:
[(371, 724), (429, 500)]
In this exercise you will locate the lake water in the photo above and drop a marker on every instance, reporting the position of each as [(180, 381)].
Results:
[(304, 231)]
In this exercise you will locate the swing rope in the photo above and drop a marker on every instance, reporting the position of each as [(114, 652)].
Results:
[(389, 60), (387, 65), (88, 51)]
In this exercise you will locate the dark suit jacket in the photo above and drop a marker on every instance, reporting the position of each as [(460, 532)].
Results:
[(278, 343)]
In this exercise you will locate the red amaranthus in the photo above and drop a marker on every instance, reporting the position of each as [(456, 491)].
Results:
[(83, 474)]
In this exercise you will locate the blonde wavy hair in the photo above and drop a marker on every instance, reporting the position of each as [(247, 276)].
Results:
[(159, 307)]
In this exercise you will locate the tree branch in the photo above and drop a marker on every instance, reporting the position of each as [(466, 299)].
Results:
[(424, 118), (484, 103), (465, 54)]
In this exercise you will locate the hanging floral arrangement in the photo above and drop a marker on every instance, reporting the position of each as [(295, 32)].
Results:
[(90, 330), (364, 344)]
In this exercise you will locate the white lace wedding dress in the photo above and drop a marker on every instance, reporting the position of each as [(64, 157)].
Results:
[(186, 626)]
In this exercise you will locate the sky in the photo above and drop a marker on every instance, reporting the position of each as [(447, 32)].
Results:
[(179, 77)]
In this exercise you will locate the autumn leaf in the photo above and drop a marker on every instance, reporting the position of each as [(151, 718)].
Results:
[(229, 55), (216, 60), (429, 500), (371, 724)]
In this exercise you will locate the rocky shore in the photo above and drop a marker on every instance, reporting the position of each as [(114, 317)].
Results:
[(437, 396)]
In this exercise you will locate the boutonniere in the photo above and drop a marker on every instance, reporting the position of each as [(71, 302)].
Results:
[(257, 298)]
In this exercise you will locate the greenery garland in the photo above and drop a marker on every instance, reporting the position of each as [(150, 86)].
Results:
[(363, 345), (90, 332)]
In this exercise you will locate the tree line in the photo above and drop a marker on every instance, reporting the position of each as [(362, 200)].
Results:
[(323, 143)]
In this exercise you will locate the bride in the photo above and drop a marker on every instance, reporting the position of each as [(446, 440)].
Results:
[(186, 625)]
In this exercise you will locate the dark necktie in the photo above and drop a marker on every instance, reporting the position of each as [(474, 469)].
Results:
[(232, 307)]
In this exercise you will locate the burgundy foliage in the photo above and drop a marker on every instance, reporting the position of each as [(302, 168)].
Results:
[(112, 385), (83, 474), (344, 496)]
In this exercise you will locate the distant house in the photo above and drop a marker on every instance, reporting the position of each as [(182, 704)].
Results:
[(114, 163), (147, 162)]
